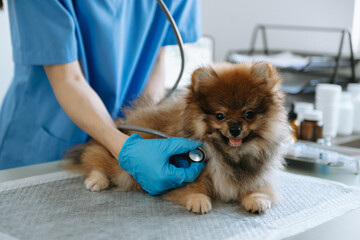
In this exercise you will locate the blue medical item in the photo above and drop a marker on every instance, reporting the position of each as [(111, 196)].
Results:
[(147, 160), (194, 155), (307, 153), (116, 43)]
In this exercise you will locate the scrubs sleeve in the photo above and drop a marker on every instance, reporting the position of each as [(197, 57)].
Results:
[(42, 32), (187, 15)]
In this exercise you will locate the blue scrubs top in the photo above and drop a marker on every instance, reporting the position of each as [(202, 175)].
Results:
[(117, 44)]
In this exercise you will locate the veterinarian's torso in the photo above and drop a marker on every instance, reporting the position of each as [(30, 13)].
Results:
[(116, 42)]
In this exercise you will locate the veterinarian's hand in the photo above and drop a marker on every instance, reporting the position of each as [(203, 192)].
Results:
[(147, 160)]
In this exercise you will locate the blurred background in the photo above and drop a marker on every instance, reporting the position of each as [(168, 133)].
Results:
[(230, 25)]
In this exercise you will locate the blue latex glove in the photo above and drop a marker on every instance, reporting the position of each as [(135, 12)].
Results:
[(147, 160)]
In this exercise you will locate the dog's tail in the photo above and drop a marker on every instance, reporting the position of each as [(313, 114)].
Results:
[(1, 5), (73, 158)]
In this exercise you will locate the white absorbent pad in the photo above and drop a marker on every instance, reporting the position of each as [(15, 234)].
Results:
[(57, 206)]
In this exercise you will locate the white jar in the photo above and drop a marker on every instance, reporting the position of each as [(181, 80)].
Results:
[(327, 100), (300, 108), (354, 89), (346, 114)]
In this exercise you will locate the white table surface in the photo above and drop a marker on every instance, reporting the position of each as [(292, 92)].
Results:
[(345, 227)]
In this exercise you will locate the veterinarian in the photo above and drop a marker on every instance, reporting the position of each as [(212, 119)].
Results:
[(76, 64)]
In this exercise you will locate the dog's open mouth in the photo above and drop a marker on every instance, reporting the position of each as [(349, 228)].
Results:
[(235, 142)]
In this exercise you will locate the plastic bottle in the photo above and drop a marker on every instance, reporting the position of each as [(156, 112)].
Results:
[(300, 108), (311, 128), (354, 89), (327, 100), (346, 114)]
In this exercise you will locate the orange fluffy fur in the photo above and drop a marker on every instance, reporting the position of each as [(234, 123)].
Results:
[(250, 98)]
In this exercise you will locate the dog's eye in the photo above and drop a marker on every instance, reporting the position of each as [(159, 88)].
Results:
[(220, 116), (249, 115)]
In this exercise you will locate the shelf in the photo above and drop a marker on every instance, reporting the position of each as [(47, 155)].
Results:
[(322, 65)]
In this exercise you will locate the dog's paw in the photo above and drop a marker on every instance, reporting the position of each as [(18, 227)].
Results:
[(96, 181), (256, 202), (199, 203)]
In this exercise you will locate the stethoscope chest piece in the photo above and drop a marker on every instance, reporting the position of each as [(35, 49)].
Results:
[(196, 155)]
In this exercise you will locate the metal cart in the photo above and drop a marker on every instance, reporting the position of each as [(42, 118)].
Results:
[(321, 67)]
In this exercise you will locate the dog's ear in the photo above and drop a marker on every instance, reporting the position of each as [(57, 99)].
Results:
[(202, 75), (268, 73)]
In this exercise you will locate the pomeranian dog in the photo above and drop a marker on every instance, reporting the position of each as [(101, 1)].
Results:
[(237, 111)]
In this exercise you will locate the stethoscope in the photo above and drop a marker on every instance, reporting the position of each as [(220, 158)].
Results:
[(198, 154)]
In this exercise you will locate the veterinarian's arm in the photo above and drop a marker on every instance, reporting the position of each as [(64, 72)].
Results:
[(155, 87), (82, 104)]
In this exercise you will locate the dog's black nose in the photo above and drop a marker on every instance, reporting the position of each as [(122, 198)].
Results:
[(235, 131)]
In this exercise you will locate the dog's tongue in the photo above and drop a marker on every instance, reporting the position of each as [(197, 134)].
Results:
[(235, 141)]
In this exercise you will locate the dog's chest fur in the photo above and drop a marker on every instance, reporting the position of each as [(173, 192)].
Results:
[(225, 182)]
